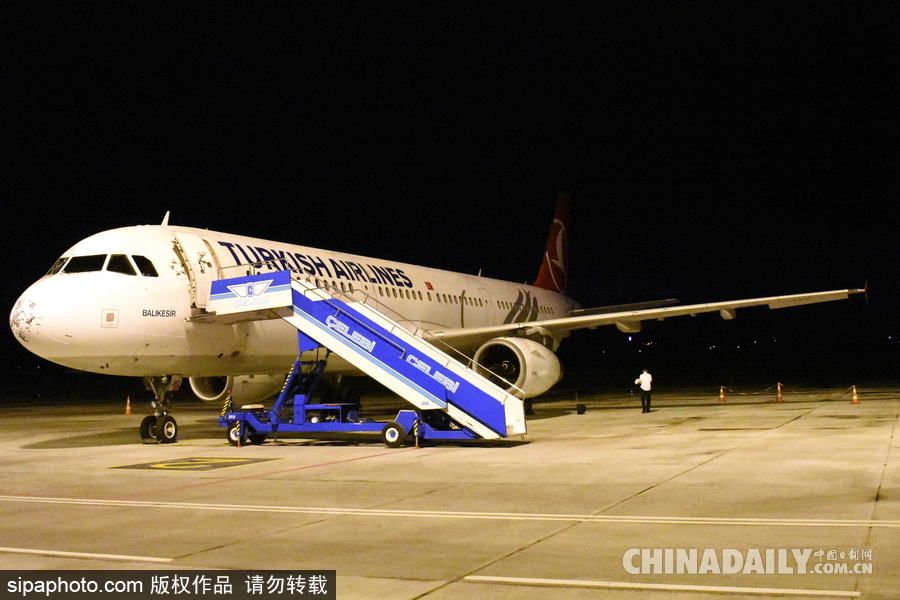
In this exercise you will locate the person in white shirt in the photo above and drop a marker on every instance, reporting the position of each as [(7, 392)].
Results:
[(645, 380)]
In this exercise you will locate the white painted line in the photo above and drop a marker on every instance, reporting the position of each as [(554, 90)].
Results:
[(664, 587), (88, 555), (435, 514)]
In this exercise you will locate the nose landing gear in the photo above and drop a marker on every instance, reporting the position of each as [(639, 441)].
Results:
[(161, 427)]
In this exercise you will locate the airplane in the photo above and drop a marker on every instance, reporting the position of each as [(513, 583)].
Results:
[(133, 302)]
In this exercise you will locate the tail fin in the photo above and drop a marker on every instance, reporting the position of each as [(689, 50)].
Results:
[(554, 267)]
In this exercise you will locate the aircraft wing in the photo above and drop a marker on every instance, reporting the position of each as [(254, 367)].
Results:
[(628, 321)]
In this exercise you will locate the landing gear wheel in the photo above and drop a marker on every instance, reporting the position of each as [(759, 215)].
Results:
[(148, 429), (166, 429), (393, 434), (233, 436), (161, 426)]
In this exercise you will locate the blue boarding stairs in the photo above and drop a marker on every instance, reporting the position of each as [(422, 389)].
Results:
[(449, 400)]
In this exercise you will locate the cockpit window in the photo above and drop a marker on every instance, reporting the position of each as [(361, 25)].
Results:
[(119, 263), (145, 266), (85, 264), (57, 266)]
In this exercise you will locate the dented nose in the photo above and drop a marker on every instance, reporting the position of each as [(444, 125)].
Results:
[(43, 320)]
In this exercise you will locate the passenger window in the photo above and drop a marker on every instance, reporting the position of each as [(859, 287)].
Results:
[(85, 264), (119, 263), (145, 266), (57, 266)]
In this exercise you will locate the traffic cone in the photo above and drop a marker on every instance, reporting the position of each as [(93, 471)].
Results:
[(722, 394), (854, 399), (779, 398), (128, 406)]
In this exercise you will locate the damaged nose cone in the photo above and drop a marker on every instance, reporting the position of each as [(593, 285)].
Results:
[(21, 319), (40, 321)]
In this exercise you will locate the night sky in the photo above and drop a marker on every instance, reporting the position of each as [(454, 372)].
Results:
[(713, 150)]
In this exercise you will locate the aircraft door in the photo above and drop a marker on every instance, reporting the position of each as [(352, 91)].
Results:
[(200, 263)]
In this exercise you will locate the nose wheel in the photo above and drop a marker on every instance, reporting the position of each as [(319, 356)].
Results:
[(148, 429), (161, 427), (166, 429)]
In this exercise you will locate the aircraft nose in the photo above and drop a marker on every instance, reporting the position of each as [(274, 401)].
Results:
[(42, 320)]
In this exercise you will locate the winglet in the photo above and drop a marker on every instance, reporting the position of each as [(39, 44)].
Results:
[(166, 219), (554, 267)]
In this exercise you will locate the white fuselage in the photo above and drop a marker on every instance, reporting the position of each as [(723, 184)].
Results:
[(105, 319)]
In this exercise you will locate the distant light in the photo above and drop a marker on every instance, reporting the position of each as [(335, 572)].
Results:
[(629, 338)]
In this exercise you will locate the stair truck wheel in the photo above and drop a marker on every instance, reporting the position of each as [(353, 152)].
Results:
[(232, 433), (393, 434), (166, 429)]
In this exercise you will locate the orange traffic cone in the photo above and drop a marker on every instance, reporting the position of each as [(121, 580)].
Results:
[(722, 394), (854, 399), (779, 398), (128, 406)]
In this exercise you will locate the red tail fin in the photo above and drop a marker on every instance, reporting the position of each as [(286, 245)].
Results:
[(554, 268)]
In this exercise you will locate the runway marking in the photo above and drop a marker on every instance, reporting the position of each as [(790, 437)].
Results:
[(62, 554), (434, 514), (196, 464), (622, 585)]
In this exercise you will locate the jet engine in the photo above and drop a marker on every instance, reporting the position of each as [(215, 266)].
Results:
[(526, 364), (244, 388)]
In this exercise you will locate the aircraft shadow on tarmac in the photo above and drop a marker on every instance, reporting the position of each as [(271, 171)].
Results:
[(124, 436)]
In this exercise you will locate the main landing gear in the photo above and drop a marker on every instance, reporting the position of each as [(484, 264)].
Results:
[(161, 426)]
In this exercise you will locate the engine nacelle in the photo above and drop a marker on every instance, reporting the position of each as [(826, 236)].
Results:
[(528, 365), (244, 388)]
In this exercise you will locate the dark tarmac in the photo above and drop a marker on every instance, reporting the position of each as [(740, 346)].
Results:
[(557, 512)]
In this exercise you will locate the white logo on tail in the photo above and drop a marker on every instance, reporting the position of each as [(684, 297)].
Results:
[(557, 263)]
